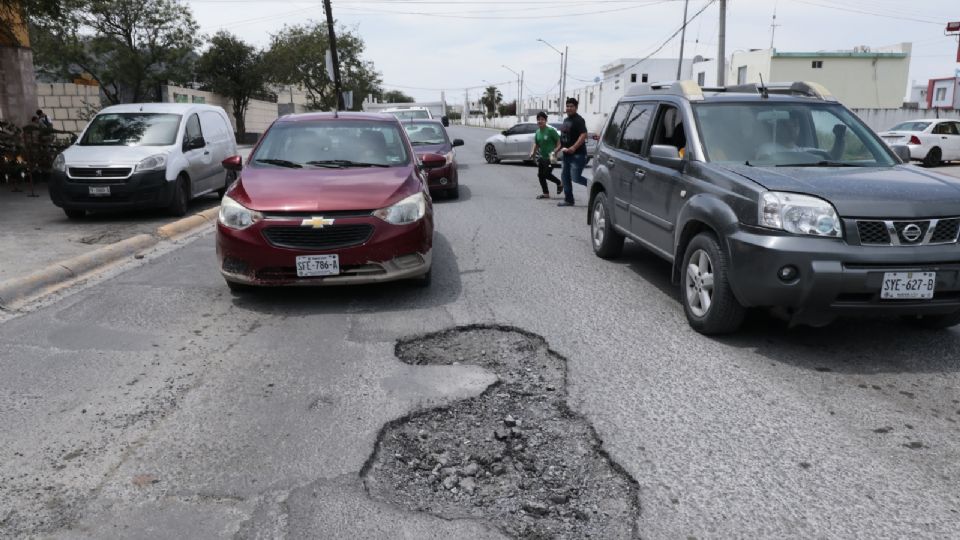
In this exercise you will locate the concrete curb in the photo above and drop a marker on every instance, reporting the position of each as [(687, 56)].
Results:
[(16, 290)]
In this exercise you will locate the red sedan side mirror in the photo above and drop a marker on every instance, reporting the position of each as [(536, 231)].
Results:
[(233, 163), (433, 161)]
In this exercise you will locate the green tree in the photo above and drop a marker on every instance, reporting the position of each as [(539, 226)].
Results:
[(233, 69), (491, 99), (31, 10), (396, 96), (130, 47), (297, 56)]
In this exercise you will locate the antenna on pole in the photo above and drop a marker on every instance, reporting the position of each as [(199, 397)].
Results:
[(773, 26)]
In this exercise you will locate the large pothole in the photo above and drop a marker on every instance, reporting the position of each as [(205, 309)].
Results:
[(516, 456)]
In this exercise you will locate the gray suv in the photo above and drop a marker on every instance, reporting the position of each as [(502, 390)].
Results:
[(777, 197)]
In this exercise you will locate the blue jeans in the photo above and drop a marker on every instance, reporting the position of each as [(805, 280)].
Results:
[(573, 165)]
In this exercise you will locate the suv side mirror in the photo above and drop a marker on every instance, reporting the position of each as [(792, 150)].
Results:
[(233, 163), (666, 156), (902, 151), (457, 142)]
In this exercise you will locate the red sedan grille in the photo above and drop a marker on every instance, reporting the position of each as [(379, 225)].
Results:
[(332, 237)]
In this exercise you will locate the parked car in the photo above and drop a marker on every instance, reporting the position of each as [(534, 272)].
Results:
[(514, 144), (328, 199), (931, 141), (775, 197), (151, 155), (430, 137), (415, 113)]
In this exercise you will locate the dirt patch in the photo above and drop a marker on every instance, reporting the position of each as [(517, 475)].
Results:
[(516, 456)]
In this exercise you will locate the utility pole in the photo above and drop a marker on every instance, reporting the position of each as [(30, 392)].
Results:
[(520, 104), (563, 85), (333, 54), (683, 38), (722, 46), (773, 26)]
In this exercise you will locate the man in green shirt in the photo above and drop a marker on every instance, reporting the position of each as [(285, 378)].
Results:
[(546, 141)]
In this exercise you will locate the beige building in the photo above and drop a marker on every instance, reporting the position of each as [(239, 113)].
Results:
[(862, 78)]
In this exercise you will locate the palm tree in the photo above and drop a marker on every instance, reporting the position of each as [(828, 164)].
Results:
[(491, 99)]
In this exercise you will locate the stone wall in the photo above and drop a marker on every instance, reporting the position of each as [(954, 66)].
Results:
[(18, 99), (69, 106)]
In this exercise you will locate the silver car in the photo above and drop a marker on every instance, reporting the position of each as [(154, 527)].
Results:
[(515, 143)]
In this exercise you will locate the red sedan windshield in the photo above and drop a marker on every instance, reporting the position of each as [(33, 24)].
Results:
[(333, 141)]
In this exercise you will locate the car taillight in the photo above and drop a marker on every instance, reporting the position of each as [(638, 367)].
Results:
[(914, 139)]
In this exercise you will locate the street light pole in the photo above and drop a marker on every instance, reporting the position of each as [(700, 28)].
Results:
[(519, 90), (333, 54), (562, 72)]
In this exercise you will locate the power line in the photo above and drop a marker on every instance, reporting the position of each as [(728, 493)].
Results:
[(899, 16), (669, 39), (450, 15)]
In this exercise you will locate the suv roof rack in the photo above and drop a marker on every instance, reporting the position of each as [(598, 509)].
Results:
[(692, 91)]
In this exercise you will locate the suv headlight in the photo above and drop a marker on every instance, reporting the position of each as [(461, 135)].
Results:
[(152, 163), (799, 214), (60, 163), (409, 210), (236, 216)]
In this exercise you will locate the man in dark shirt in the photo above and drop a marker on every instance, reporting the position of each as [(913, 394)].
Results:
[(573, 146)]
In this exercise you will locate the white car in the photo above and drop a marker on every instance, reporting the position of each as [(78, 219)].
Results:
[(150, 155), (932, 141), (515, 143)]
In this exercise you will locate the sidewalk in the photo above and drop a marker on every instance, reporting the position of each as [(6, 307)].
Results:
[(37, 234)]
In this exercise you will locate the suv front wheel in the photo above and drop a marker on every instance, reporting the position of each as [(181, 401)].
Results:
[(707, 298), (607, 243)]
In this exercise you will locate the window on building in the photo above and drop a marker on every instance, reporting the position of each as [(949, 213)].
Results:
[(701, 78), (644, 78), (742, 75), (941, 94), (633, 77), (817, 64)]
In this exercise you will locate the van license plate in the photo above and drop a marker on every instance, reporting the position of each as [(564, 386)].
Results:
[(908, 285), (318, 265), (99, 191)]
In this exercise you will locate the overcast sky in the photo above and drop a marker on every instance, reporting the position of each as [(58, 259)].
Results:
[(420, 46)]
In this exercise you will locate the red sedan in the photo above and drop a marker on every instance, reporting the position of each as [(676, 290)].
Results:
[(430, 137), (328, 199)]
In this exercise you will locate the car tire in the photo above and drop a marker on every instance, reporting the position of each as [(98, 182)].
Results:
[(490, 154), (934, 322), (607, 242), (722, 313), (73, 213), (933, 158), (425, 280), (239, 288), (227, 182), (181, 197), (454, 193)]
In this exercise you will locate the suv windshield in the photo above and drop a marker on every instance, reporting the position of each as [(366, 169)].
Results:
[(132, 129), (332, 143), (788, 134), (424, 134), (411, 115)]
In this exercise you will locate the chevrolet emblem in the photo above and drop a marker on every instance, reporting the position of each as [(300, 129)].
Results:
[(316, 222)]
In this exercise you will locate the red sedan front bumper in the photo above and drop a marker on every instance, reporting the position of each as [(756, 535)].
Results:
[(370, 250), (443, 178)]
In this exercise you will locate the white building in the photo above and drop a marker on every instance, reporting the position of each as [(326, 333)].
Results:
[(862, 78)]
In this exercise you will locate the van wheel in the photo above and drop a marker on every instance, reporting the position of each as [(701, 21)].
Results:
[(73, 213), (181, 197), (933, 158), (607, 243), (490, 154), (708, 300), (934, 322)]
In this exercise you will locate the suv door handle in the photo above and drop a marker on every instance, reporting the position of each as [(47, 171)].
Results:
[(640, 174)]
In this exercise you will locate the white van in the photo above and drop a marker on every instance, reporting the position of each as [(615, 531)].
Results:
[(150, 155)]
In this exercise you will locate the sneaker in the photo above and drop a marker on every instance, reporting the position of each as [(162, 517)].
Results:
[(559, 189), (565, 203)]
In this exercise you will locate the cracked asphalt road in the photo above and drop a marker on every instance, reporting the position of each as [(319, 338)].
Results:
[(152, 403)]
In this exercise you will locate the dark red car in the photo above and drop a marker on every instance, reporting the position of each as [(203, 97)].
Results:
[(328, 200), (430, 137)]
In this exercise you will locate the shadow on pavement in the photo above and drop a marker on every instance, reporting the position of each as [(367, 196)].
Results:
[(864, 345), (465, 195), (383, 297)]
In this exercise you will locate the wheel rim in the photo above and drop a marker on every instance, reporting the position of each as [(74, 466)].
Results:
[(699, 283), (489, 153), (599, 223)]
